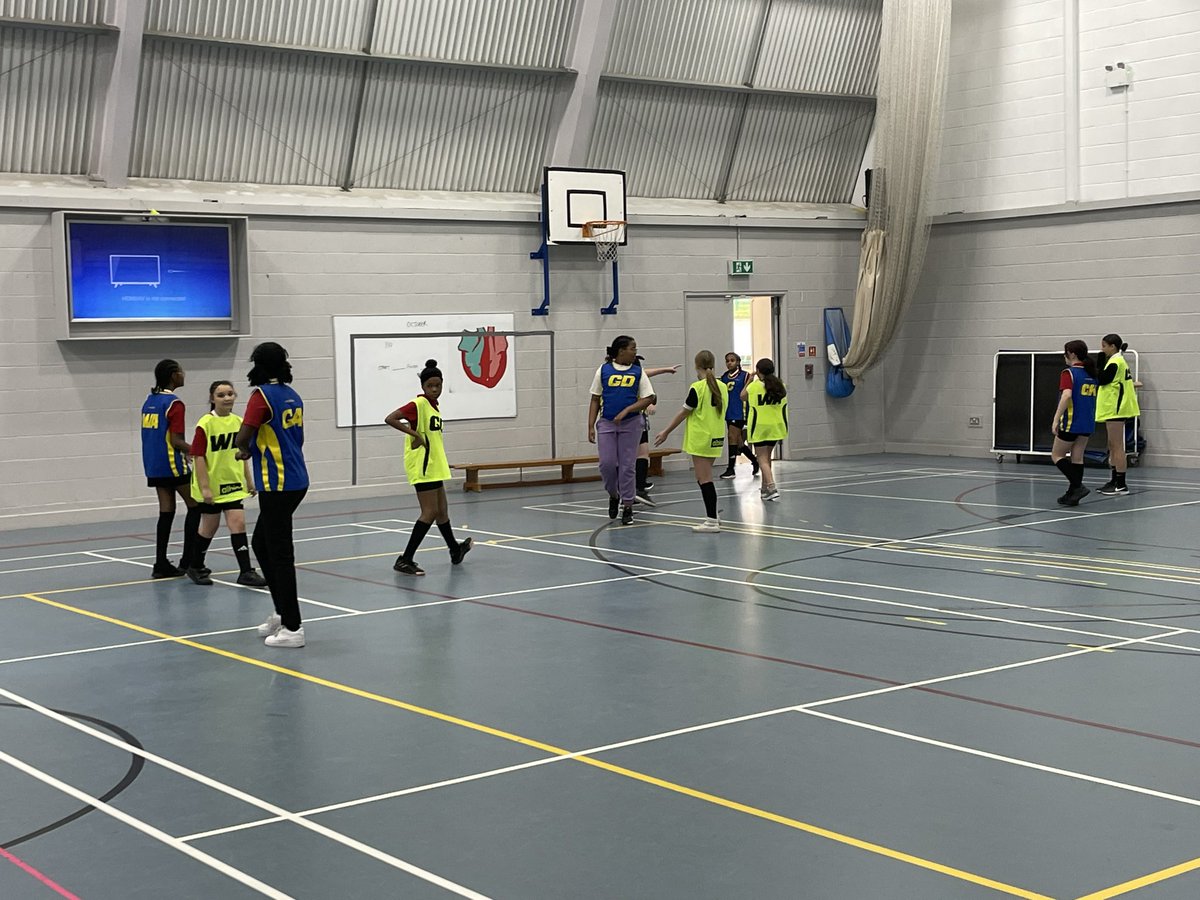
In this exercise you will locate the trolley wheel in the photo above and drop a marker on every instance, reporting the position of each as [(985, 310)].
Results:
[(1132, 461), (999, 459)]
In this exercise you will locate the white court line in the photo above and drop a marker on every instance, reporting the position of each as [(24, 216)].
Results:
[(145, 828), (147, 544), (650, 571), (232, 584), (1011, 760), (250, 799), (831, 581), (917, 499), (690, 729), (925, 546), (85, 562)]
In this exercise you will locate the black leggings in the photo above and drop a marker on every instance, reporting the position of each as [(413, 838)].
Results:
[(276, 555)]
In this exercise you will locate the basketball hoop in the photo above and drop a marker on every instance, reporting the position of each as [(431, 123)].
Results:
[(607, 234)]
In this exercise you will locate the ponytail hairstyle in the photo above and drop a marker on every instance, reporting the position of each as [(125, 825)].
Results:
[(212, 389), (270, 364), (431, 370), (1080, 350), (705, 362), (775, 391), (619, 343), (1115, 341), (163, 373)]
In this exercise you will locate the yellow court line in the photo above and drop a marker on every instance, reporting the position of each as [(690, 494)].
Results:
[(714, 799), (1145, 881)]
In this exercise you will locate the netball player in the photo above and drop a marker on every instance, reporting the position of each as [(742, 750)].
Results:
[(427, 469), (272, 437), (1074, 419), (220, 482), (165, 460), (704, 410), (1116, 404), (766, 418), (735, 378), (620, 390)]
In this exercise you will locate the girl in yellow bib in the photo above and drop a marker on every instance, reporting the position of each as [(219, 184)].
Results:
[(220, 482), (766, 420), (704, 440), (1116, 404), (427, 469)]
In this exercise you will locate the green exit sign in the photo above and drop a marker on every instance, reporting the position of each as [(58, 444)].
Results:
[(741, 267)]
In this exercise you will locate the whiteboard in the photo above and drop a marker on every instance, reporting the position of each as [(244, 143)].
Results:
[(479, 370)]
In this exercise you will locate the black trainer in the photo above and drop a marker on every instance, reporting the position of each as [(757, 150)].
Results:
[(1062, 501), (165, 570), (729, 473), (627, 515), (648, 486), (198, 577), (643, 496), (1075, 494), (614, 503), (1112, 490), (463, 548), (407, 567), (251, 578), (754, 467)]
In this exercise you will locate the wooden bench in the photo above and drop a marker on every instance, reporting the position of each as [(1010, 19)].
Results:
[(566, 464)]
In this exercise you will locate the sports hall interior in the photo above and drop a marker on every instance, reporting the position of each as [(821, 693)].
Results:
[(914, 676)]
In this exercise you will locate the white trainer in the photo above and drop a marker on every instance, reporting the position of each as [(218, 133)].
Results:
[(772, 493), (271, 626), (708, 526), (285, 638)]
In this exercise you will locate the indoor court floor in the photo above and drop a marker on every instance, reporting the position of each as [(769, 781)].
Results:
[(911, 677)]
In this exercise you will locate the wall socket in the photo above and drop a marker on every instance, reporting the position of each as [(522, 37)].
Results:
[(974, 422)]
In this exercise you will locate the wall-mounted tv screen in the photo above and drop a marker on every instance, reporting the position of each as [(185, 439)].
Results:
[(149, 271)]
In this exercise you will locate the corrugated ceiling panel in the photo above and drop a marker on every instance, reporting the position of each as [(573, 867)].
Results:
[(704, 41), (212, 112), (800, 149), (502, 32), (45, 100), (670, 141), (324, 24), (455, 129), (66, 12), (830, 46)]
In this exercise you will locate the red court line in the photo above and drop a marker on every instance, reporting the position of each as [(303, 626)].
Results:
[(30, 870)]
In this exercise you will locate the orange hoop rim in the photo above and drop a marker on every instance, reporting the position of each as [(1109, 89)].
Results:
[(590, 229)]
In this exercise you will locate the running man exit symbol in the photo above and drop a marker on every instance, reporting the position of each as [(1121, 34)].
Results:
[(741, 267)]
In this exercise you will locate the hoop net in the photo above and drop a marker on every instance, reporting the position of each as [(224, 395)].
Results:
[(607, 235)]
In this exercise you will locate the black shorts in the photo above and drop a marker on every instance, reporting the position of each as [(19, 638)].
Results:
[(1106, 421), (215, 509), (768, 444), (645, 438), (736, 423), (424, 486), (168, 481), (1070, 436)]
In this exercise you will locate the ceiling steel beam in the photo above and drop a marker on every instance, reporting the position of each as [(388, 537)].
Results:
[(118, 67), (577, 100)]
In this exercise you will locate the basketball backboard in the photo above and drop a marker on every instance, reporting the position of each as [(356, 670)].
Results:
[(571, 197)]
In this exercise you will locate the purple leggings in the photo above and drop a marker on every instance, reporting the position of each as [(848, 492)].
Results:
[(617, 446)]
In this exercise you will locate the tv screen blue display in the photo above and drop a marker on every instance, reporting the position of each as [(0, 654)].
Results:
[(149, 271)]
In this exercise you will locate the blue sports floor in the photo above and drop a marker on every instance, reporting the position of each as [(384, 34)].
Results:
[(911, 677)]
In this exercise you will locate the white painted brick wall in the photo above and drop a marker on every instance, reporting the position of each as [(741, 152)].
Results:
[(1033, 284), (1003, 136), (68, 429)]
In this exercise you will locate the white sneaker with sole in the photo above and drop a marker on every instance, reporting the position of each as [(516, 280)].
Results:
[(271, 626), (708, 526), (285, 638), (772, 493)]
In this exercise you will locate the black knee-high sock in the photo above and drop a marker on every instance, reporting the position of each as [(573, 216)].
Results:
[(199, 548), (162, 536), (420, 529), (241, 549), (1067, 467), (734, 452), (191, 525), (1077, 473), (643, 468), (1120, 476), (709, 492), (749, 454), (448, 534), (1113, 479)]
